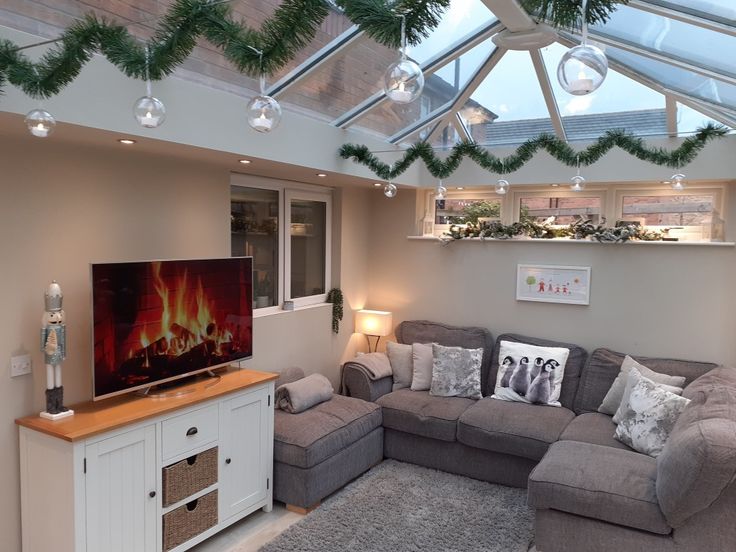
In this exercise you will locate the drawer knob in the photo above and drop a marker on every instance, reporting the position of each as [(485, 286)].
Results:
[(228, 460), (152, 494), (192, 431)]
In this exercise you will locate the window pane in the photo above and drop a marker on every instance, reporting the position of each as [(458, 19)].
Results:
[(254, 232), (308, 249), (564, 210), (674, 210), (460, 211)]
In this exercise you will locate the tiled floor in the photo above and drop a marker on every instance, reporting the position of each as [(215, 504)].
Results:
[(249, 534)]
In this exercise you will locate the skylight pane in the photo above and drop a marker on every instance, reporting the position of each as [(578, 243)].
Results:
[(723, 11), (679, 80), (508, 107), (689, 120), (672, 38)]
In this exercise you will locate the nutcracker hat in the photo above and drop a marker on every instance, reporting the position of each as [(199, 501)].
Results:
[(53, 297)]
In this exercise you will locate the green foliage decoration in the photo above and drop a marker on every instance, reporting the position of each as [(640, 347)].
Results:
[(566, 13), (559, 149), (251, 51), (336, 298)]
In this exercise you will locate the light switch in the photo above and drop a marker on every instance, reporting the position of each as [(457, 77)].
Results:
[(20, 365)]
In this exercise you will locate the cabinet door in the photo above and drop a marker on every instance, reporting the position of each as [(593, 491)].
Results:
[(121, 475), (246, 443)]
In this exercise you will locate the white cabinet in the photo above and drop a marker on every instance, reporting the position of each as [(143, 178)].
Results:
[(245, 443), (93, 482), (120, 490)]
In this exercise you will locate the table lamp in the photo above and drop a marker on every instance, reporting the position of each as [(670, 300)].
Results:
[(373, 323)]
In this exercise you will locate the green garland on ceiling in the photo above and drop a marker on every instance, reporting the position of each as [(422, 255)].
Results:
[(288, 30), (566, 13), (557, 148)]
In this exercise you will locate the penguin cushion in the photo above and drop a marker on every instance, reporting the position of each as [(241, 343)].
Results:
[(530, 374)]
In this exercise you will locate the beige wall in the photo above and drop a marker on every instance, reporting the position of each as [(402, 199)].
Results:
[(61, 208), (649, 299)]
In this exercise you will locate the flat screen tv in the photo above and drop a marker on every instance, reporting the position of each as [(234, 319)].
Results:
[(158, 321)]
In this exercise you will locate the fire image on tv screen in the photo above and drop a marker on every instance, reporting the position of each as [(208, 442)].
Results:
[(156, 321)]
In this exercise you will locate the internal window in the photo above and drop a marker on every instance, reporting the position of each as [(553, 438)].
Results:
[(459, 210), (560, 210)]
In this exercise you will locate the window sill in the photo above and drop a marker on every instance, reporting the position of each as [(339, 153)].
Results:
[(578, 242), (269, 312)]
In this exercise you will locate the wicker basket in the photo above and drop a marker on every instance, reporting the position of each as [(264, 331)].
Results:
[(189, 476), (190, 520)]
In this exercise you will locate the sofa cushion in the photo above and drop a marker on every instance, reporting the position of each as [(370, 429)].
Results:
[(699, 459), (573, 366), (594, 481), (511, 427), (419, 413), (310, 437), (604, 365), (593, 428), (467, 337)]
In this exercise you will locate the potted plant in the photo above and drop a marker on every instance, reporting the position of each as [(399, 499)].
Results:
[(264, 289)]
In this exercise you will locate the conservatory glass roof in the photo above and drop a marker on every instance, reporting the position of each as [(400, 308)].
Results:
[(671, 70)]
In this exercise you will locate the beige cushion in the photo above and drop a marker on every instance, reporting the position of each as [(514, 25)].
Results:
[(421, 379), (615, 394), (402, 363)]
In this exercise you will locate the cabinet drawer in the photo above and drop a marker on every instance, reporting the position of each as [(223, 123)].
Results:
[(188, 521), (189, 476), (184, 433)]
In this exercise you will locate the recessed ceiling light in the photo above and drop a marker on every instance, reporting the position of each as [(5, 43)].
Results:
[(555, 185), (126, 141), (460, 188), (377, 184), (244, 161), (321, 175)]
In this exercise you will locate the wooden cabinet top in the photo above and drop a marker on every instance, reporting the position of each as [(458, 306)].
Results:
[(92, 418)]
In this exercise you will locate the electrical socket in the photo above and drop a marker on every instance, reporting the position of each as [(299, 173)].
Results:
[(20, 365)]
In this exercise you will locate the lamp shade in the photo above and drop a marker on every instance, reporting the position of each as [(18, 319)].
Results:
[(372, 322)]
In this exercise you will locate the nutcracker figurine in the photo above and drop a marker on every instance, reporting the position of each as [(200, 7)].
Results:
[(53, 345)]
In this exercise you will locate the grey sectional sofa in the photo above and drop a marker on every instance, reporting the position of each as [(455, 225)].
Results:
[(582, 482)]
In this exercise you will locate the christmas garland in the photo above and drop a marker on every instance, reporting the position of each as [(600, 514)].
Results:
[(582, 229), (251, 51), (566, 13), (559, 149)]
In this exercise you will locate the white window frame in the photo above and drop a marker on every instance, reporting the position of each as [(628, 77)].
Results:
[(286, 191), (326, 198), (472, 194)]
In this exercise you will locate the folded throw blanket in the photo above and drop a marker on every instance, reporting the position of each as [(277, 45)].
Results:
[(376, 365), (303, 394)]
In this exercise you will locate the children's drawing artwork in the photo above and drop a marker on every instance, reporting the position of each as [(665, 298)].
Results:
[(553, 284)]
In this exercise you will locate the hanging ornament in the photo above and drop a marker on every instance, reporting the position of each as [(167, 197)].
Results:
[(389, 190), (578, 182), (403, 81), (502, 187), (440, 192), (678, 182), (583, 68), (40, 123), (150, 112), (264, 113)]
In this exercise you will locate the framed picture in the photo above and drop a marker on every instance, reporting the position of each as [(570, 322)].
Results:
[(553, 284)]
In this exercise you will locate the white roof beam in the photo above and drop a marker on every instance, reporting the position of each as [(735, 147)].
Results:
[(315, 61), (438, 115), (462, 128), (512, 15), (682, 16), (548, 93), (671, 106), (429, 67)]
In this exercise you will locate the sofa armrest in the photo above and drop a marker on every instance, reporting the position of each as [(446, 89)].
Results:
[(357, 383)]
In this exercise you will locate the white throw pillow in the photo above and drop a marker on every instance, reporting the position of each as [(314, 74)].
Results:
[(631, 382), (421, 379), (615, 394), (402, 363), (650, 413), (530, 374), (456, 372)]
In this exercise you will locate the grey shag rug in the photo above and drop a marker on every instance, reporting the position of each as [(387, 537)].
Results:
[(398, 507)]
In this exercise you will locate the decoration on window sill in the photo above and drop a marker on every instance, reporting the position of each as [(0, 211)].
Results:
[(291, 27), (582, 229), (335, 297), (565, 14), (559, 149)]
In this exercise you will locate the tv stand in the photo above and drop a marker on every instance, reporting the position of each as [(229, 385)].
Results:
[(129, 473), (183, 386)]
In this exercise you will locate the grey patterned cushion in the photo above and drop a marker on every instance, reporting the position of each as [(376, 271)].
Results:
[(647, 419), (456, 372)]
